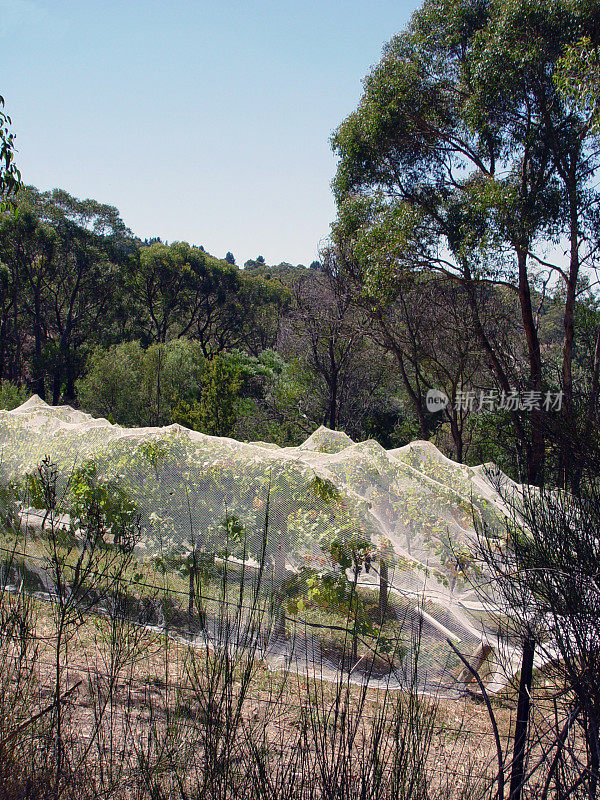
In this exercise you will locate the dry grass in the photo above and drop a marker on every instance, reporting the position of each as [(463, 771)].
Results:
[(155, 694)]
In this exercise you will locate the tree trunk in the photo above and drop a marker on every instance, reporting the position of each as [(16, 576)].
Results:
[(536, 448), (39, 383), (569, 319), (333, 394), (456, 435), (332, 411), (62, 358), (158, 388), (592, 735), (56, 383), (18, 365), (415, 396), (569, 338), (592, 411), (523, 706), (69, 395), (3, 340)]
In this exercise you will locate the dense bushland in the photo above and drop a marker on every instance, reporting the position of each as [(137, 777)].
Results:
[(147, 333)]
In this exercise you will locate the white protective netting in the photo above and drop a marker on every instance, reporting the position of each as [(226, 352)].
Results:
[(410, 507)]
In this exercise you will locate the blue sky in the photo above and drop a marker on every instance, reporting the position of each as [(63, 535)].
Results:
[(204, 122)]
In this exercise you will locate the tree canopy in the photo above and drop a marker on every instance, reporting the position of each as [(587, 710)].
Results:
[(463, 158), (10, 177)]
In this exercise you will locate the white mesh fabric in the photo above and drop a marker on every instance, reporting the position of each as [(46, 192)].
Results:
[(413, 504)]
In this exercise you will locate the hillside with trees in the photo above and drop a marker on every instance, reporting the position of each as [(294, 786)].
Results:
[(92, 316), (246, 495)]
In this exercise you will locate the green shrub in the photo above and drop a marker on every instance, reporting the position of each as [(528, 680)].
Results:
[(12, 396)]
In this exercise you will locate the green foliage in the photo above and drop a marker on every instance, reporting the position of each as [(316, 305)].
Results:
[(217, 412), (463, 158), (329, 591), (10, 177), (12, 395), (136, 387), (102, 504), (471, 106), (112, 385), (577, 77), (77, 291), (325, 490), (156, 452), (38, 485), (233, 528), (275, 398), (332, 592), (493, 441), (167, 284), (63, 273), (97, 506)]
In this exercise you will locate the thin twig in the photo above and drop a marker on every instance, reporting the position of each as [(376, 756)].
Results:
[(37, 716)]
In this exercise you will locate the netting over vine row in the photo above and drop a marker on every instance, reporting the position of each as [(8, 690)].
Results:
[(327, 512)]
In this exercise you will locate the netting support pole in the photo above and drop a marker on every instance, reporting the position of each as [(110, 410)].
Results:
[(523, 708), (486, 699), (383, 590)]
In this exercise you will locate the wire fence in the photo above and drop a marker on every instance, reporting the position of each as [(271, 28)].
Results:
[(454, 740), (220, 600)]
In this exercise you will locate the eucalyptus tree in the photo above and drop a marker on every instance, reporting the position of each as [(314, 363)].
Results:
[(425, 327), (61, 265), (184, 292), (219, 309), (164, 282), (263, 304), (578, 78), (328, 334), (93, 244), (133, 386), (217, 411), (10, 177), (463, 158), (28, 248)]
